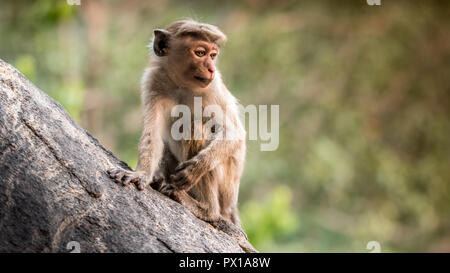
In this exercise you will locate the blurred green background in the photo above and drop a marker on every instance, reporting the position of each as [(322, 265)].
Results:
[(364, 95)]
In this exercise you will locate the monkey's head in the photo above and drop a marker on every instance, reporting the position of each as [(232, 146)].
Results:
[(188, 50)]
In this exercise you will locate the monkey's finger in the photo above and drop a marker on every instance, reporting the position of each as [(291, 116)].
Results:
[(163, 190), (116, 172), (183, 165), (157, 179), (112, 173), (127, 181), (167, 189), (136, 180), (177, 177), (119, 177), (140, 186)]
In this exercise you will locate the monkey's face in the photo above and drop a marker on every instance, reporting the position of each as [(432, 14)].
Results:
[(195, 63)]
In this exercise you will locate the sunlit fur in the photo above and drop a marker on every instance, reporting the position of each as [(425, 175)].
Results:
[(214, 166)]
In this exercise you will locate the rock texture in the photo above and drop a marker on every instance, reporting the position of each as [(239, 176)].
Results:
[(54, 188)]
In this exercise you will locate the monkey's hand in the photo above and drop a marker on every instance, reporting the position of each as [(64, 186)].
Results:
[(169, 190), (186, 175), (125, 177)]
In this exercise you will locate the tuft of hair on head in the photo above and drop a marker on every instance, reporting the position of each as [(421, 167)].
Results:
[(198, 30)]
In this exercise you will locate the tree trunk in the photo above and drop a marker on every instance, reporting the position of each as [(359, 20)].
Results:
[(55, 194)]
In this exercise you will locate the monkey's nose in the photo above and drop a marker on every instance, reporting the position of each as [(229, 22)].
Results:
[(211, 76), (210, 67)]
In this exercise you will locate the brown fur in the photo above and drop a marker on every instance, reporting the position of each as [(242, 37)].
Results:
[(206, 180)]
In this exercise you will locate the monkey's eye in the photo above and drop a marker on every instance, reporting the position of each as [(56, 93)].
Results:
[(200, 53), (213, 55)]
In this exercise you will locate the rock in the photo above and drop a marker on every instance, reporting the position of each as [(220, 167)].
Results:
[(55, 192)]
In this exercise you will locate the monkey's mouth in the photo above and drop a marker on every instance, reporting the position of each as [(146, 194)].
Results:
[(203, 80)]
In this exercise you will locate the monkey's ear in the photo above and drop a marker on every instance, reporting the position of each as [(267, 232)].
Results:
[(161, 42)]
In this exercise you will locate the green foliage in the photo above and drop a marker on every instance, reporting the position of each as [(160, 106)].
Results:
[(274, 218), (27, 65), (72, 98), (363, 94)]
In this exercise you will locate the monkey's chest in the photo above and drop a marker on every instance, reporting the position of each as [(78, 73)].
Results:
[(189, 137)]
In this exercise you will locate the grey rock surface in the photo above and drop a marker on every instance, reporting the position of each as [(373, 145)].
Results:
[(54, 188)]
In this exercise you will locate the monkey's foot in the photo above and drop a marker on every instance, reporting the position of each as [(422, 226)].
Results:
[(170, 191), (167, 190), (234, 231), (157, 181), (125, 177), (186, 175)]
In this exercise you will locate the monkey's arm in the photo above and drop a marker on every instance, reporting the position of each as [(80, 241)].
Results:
[(151, 143), (150, 149), (222, 146)]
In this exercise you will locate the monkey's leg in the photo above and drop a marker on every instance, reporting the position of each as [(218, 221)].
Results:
[(201, 211), (235, 216), (198, 209), (166, 166), (205, 205), (234, 231)]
